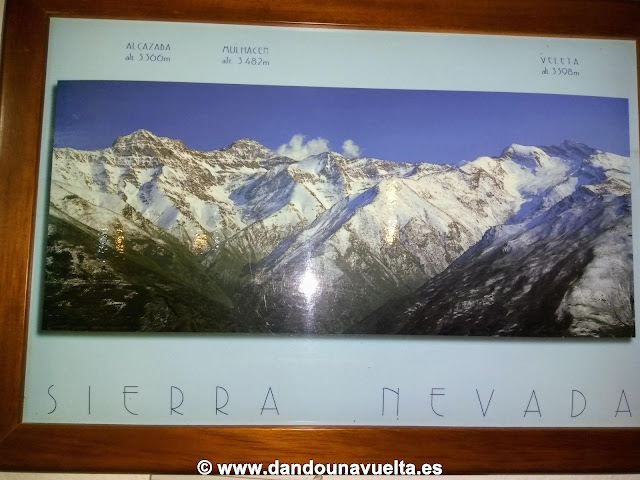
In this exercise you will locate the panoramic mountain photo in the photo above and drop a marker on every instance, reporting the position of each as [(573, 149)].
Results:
[(258, 209)]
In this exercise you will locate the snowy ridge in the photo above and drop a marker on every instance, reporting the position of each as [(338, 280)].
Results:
[(371, 231), (572, 267)]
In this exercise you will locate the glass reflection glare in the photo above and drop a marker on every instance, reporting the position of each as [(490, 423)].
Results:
[(391, 229), (119, 240), (200, 241), (391, 232), (308, 284)]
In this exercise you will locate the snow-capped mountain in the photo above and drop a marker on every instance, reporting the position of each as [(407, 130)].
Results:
[(567, 273), (330, 244), (182, 191)]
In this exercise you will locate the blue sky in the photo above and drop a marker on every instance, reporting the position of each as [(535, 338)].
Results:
[(401, 125)]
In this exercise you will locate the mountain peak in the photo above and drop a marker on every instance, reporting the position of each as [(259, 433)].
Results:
[(326, 157), (140, 135), (567, 149), (517, 150), (247, 148), (327, 162), (571, 149), (143, 142), (143, 137), (244, 143)]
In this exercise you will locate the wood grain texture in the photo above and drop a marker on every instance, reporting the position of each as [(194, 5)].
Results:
[(459, 450), (177, 449), (608, 18), (20, 107)]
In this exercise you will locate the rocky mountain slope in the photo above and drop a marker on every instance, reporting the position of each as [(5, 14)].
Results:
[(163, 237)]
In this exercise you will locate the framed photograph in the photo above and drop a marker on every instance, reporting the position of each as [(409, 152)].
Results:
[(373, 237)]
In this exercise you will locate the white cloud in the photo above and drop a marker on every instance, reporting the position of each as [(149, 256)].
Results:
[(350, 149), (298, 149)]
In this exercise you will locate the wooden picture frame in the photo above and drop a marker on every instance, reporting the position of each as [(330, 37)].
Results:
[(169, 449)]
